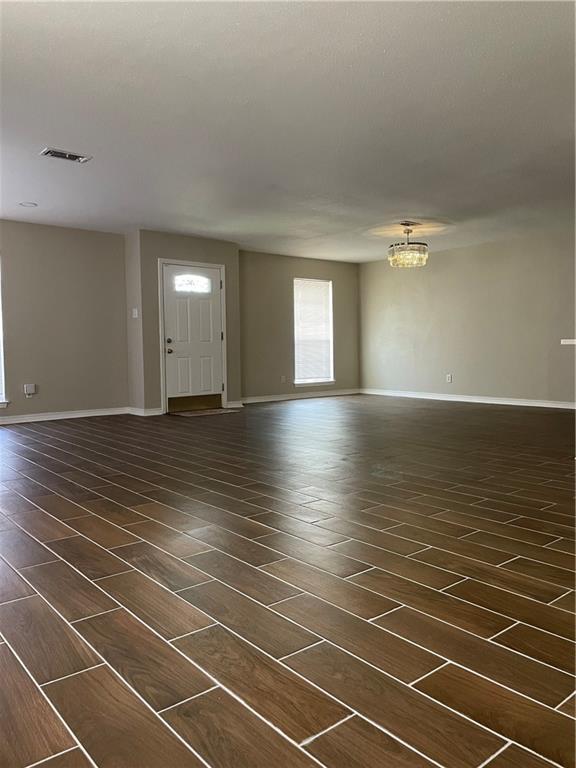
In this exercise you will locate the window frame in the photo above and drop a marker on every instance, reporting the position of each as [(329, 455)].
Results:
[(324, 380)]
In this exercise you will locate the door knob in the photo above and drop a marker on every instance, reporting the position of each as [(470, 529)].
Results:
[(169, 351), (168, 341)]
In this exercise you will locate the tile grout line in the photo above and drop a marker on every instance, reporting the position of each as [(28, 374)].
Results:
[(254, 601), (185, 701), (368, 589), (310, 739)]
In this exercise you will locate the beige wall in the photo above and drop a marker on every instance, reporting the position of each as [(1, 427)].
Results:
[(266, 300), (492, 315), (134, 338), (63, 306), (162, 245)]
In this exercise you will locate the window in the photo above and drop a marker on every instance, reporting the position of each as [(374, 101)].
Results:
[(313, 342), (192, 284)]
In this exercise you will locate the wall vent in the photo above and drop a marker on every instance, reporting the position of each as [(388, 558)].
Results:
[(62, 154)]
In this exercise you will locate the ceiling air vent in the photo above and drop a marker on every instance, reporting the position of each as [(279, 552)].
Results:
[(62, 154)]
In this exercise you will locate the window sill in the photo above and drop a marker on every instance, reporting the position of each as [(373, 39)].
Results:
[(3, 403), (319, 383)]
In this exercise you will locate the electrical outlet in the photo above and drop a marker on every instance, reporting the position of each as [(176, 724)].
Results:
[(448, 378), (29, 389), (282, 379)]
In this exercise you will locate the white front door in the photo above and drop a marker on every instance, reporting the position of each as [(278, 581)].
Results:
[(192, 330)]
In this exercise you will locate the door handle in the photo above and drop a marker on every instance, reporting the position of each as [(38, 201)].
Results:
[(168, 340), (169, 351)]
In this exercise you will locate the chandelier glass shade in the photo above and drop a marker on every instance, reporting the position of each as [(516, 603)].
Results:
[(408, 254)]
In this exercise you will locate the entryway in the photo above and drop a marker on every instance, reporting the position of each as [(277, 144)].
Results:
[(192, 336)]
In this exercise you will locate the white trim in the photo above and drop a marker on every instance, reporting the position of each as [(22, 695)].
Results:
[(470, 398), (232, 404), (222, 269), (4, 403), (301, 395), (319, 383), (144, 411), (50, 416), (568, 341)]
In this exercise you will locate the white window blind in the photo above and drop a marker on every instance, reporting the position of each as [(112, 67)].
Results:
[(313, 333)]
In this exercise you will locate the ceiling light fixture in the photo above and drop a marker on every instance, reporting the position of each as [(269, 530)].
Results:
[(408, 254), (28, 204)]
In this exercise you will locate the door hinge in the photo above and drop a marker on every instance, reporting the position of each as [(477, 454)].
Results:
[(222, 335), (221, 286), (222, 386)]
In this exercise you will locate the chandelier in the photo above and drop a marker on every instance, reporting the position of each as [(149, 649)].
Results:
[(408, 254)]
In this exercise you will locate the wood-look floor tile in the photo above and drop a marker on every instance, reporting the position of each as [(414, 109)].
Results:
[(517, 607), (90, 559), (101, 531), (342, 593), (59, 507), (154, 605), (499, 664), (228, 735), (428, 575), (43, 641), (113, 512), (250, 552), (312, 554), (305, 514), (243, 526), (121, 495), (542, 571), (516, 757), (20, 550), (438, 604), (464, 547), (173, 542), (567, 602), (300, 710), (563, 545), (160, 566), (41, 526), (11, 502), (29, 729), (529, 724), (180, 521), (12, 586), (150, 665), (357, 744), (389, 653), (372, 536), (311, 533), (514, 547), (569, 707), (74, 758), (491, 526), (115, 727), (430, 728), (497, 577), (247, 579), (254, 622), (540, 645), (395, 515), (70, 593)]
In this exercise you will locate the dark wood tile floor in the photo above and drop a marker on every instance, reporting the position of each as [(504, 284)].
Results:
[(355, 582)]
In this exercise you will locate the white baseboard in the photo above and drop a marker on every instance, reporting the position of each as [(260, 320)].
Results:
[(233, 404), (471, 398), (301, 395), (143, 411), (51, 416)]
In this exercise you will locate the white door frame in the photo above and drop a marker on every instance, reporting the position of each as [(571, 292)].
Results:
[(178, 263)]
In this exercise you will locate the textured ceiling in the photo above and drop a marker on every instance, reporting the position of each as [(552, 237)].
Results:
[(296, 128)]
